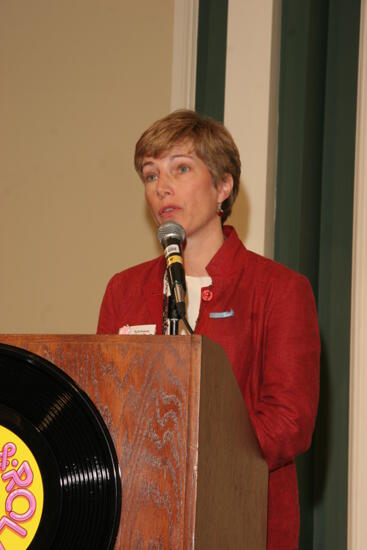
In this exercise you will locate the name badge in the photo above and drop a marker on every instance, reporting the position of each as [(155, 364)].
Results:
[(138, 329)]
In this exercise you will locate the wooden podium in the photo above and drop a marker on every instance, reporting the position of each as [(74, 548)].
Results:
[(191, 469)]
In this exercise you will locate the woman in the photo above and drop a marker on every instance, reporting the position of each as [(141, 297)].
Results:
[(260, 312)]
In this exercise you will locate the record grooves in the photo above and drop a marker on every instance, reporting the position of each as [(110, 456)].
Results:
[(48, 418)]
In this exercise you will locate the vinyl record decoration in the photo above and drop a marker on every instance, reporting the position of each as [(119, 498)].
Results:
[(60, 487)]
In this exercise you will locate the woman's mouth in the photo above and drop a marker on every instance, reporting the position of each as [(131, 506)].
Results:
[(167, 211)]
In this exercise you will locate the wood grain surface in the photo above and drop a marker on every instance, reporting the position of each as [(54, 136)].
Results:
[(177, 493)]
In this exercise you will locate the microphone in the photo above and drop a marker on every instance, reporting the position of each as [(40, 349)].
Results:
[(171, 235)]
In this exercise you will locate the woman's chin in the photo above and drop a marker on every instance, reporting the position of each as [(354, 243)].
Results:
[(172, 217)]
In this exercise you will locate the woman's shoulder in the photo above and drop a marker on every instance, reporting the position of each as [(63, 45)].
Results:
[(266, 272), (253, 268), (147, 271), (275, 280), (270, 267)]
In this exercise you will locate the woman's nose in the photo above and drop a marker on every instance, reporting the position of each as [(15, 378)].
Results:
[(164, 185)]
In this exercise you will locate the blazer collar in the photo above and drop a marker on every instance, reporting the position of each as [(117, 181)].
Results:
[(231, 254)]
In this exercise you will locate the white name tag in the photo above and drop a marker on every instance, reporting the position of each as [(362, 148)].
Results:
[(138, 329)]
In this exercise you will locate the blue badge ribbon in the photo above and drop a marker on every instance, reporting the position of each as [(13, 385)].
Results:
[(221, 314)]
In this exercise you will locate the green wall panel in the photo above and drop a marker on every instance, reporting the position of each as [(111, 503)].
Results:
[(314, 220), (211, 58), (331, 438), (299, 178)]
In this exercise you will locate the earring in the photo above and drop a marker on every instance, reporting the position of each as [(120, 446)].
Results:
[(220, 210)]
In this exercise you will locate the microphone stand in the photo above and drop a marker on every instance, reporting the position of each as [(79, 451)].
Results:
[(172, 316)]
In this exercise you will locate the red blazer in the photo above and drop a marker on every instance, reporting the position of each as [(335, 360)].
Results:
[(272, 342)]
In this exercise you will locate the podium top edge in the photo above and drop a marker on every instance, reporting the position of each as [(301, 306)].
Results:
[(115, 338)]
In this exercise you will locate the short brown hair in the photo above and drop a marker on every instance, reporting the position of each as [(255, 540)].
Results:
[(211, 141)]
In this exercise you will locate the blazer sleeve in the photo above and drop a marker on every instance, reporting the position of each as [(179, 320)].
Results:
[(284, 395)]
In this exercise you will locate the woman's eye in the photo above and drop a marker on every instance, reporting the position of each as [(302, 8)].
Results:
[(183, 169), (149, 177)]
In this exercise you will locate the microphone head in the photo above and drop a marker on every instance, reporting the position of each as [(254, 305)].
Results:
[(171, 230)]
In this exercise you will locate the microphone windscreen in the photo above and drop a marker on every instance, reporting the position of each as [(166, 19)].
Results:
[(171, 230)]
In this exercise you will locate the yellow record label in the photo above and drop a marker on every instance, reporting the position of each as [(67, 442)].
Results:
[(21, 493), (174, 259)]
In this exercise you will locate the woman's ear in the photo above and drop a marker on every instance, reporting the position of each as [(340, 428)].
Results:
[(225, 187)]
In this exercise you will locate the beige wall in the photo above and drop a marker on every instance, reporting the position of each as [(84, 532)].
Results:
[(79, 80), (251, 114)]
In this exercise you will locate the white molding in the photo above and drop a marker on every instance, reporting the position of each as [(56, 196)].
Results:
[(185, 31), (357, 487)]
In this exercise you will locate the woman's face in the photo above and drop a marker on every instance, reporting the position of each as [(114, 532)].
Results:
[(180, 188)]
